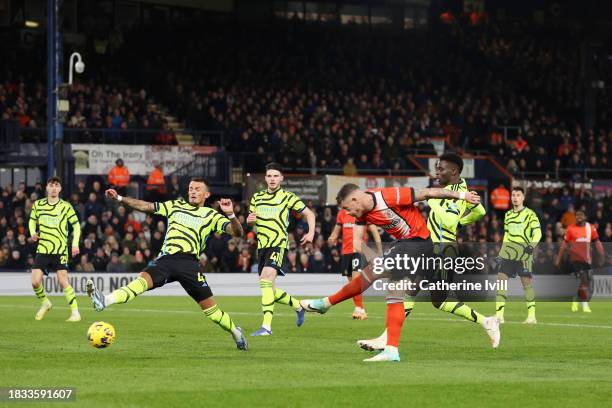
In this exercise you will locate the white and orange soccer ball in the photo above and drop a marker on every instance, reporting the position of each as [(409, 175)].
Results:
[(101, 334)]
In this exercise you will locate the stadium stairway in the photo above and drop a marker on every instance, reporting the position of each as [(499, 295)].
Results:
[(183, 138)]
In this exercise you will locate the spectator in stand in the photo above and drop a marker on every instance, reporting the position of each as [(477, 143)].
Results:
[(100, 260), (229, 259), (500, 199), (115, 265), (84, 265), (156, 184), (165, 136), (244, 260), (119, 177)]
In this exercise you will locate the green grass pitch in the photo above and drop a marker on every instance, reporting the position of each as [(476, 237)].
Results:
[(167, 354)]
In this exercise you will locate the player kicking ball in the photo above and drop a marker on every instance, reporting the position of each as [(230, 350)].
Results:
[(442, 222), (393, 209), (52, 215), (189, 226)]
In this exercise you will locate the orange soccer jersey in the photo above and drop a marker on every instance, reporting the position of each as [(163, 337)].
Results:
[(347, 222), (395, 212), (580, 238)]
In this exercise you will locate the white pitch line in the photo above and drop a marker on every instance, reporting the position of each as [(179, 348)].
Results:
[(453, 320)]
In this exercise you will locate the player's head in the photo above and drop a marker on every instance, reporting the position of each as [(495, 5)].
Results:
[(198, 191), (581, 217), (350, 199), (274, 176), (54, 187), (517, 196), (449, 168), (119, 162)]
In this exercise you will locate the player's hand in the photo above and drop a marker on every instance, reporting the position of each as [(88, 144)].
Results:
[(34, 237), (333, 240), (307, 238), (252, 217), (111, 194), (557, 262), (472, 197), (226, 206), (75, 251)]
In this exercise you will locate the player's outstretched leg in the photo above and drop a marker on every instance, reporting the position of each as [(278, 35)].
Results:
[(489, 324), (224, 321), (395, 320), (379, 343), (356, 286), (282, 297), (122, 295)]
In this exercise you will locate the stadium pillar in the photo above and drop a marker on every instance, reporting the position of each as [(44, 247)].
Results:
[(51, 94), (59, 125)]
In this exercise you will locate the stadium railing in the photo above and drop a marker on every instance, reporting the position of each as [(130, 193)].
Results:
[(122, 136)]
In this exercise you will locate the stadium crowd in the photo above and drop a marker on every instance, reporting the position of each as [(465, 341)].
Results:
[(358, 109), (115, 239)]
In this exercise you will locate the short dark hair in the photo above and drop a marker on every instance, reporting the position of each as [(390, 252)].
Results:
[(200, 180), (345, 191), (53, 180), (274, 166), (517, 188), (453, 158)]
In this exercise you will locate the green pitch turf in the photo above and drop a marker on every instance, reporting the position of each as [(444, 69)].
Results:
[(167, 354)]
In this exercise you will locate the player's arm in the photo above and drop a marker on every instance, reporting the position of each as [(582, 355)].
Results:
[(33, 222), (376, 237), (564, 245), (474, 214), (76, 231), (333, 237), (252, 217), (427, 193), (234, 228), (600, 250), (139, 205), (310, 220)]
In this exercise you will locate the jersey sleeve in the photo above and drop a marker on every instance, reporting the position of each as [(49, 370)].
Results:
[(594, 234), (339, 218), (399, 196), (568, 234), (76, 227), (252, 205), (220, 222), (534, 227), (33, 219), (163, 208), (295, 203)]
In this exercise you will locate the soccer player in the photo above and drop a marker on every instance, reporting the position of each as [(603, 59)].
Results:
[(269, 211), (189, 226), (442, 222), (352, 258), (52, 215), (521, 234), (578, 238), (393, 209)]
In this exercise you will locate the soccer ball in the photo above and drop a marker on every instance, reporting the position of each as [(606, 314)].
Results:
[(101, 334)]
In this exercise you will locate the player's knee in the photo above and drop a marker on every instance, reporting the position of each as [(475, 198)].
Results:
[(147, 278), (268, 273)]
